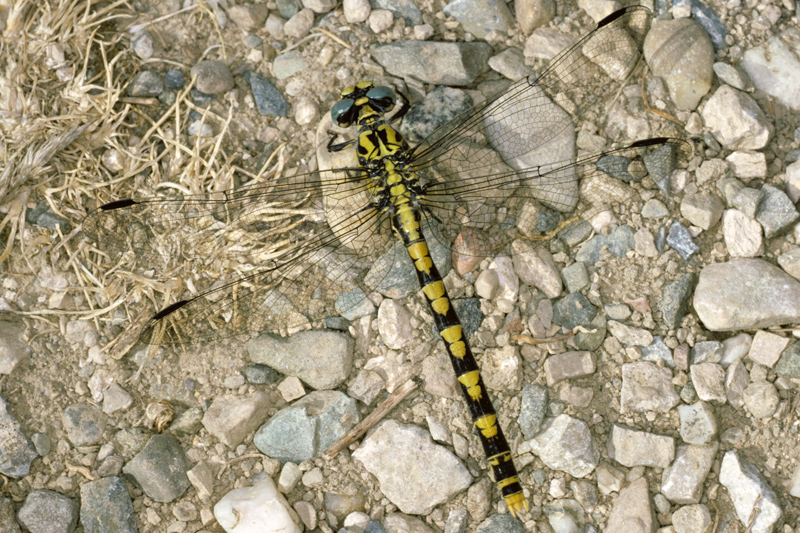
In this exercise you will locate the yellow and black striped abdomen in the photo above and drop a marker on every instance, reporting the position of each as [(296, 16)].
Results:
[(498, 453), (384, 153)]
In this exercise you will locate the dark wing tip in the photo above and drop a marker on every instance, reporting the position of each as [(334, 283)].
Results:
[(169, 310), (619, 13), (117, 204), (650, 142)]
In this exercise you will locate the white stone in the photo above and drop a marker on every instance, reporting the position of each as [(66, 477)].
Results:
[(793, 181), (748, 164), (744, 236), (755, 502), (766, 348), (414, 474), (703, 210), (394, 324), (257, 509), (356, 10), (736, 120), (535, 266), (775, 69)]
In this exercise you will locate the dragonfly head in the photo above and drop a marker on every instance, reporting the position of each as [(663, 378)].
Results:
[(360, 102)]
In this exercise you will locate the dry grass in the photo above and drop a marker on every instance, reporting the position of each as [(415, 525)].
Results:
[(64, 67)]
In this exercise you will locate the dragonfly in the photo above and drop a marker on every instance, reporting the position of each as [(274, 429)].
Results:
[(310, 246)]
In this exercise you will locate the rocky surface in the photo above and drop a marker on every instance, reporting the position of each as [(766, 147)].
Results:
[(642, 358)]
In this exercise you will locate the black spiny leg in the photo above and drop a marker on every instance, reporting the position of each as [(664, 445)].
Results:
[(405, 105), (337, 147)]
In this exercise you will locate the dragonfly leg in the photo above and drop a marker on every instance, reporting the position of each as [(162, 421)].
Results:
[(405, 105), (337, 147)]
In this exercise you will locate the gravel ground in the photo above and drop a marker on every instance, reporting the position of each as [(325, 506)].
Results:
[(672, 407)]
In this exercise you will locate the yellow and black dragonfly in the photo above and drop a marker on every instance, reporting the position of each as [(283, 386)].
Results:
[(312, 246)]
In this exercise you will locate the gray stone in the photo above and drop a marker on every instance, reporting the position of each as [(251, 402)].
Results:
[(499, 523), (145, 83), (535, 266), (299, 23), (566, 444), (576, 278), (691, 518), (546, 43), (620, 241), (573, 310), (747, 201), (213, 77), (440, 106), (629, 335), (776, 212), (593, 336), (761, 399), (654, 208), (767, 347), (438, 63), (308, 427), (631, 447), (646, 387), (774, 69), (743, 235), (405, 9), (16, 450), (706, 352), (269, 101), (746, 294), (735, 348), (510, 63), (160, 468), (106, 506), (84, 424), (47, 511), (703, 210), (532, 14), (709, 381), (322, 359), (231, 418), (589, 251), (748, 164), (142, 45), (568, 365), (736, 380), (288, 64), (682, 481), (675, 299), (644, 243), (790, 262), (681, 241), (174, 79), (618, 311), (658, 351), (480, 17), (248, 17), (788, 365), (732, 76)]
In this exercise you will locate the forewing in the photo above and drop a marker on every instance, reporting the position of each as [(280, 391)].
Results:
[(293, 254)]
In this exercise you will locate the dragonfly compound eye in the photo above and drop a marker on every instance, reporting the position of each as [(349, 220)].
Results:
[(382, 98), (343, 112)]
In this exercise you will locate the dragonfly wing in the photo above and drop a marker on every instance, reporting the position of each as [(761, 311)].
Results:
[(493, 166), (293, 255)]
